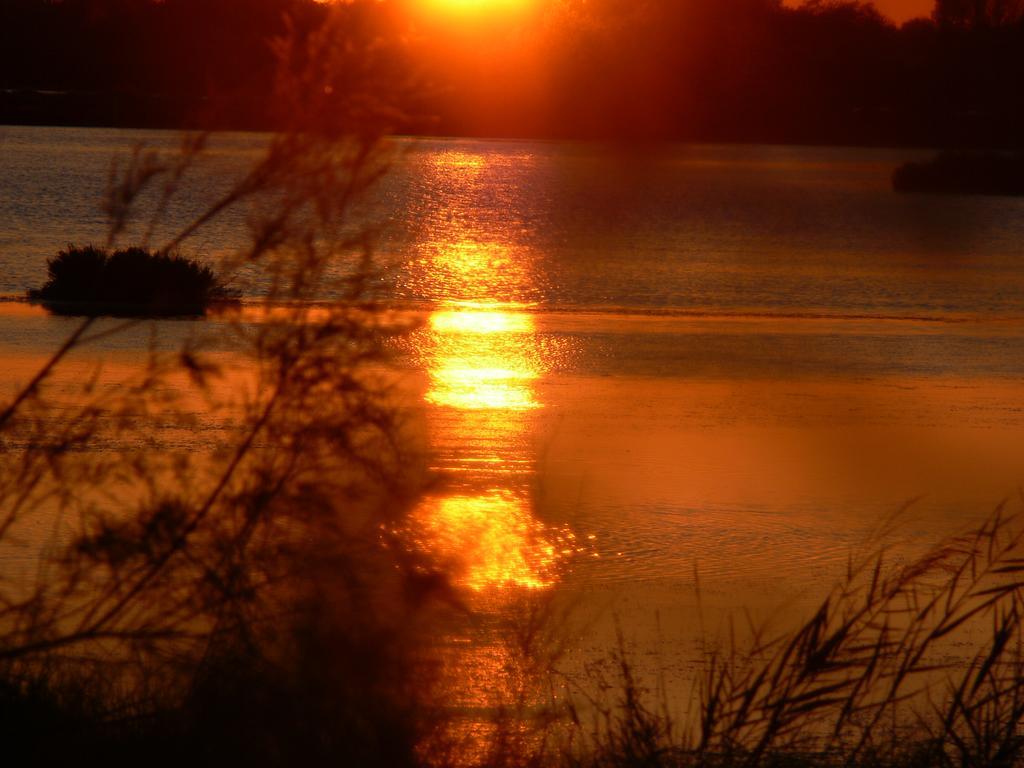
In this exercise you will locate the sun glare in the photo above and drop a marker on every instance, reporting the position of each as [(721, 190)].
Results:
[(476, 6)]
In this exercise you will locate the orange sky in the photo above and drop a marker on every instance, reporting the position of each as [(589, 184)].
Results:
[(901, 10), (897, 10)]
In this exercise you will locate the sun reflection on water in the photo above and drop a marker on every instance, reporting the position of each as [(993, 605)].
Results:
[(481, 317), (465, 163), (484, 361), (492, 540), (483, 371)]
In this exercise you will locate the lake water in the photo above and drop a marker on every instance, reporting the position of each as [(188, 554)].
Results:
[(641, 366)]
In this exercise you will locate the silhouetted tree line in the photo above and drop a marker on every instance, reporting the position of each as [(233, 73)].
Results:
[(978, 13), (825, 72), (729, 70), (143, 62)]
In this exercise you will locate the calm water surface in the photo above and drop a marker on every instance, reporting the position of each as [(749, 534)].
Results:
[(734, 361)]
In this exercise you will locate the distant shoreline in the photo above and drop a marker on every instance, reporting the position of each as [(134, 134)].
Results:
[(99, 109)]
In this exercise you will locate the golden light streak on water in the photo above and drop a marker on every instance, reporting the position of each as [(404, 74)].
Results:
[(470, 262), (470, 274), (485, 367), (483, 360), (457, 160), (482, 388), (480, 317), (491, 540)]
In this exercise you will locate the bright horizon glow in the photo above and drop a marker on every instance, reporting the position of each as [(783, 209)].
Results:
[(476, 6)]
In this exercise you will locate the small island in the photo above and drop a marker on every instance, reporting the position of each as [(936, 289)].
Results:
[(964, 173), (133, 282)]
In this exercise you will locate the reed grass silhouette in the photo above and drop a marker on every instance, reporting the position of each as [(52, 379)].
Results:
[(915, 664)]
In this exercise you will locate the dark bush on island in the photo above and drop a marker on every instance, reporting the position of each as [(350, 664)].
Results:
[(967, 173), (134, 281)]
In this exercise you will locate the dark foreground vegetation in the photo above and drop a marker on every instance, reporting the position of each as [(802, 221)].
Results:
[(919, 664), (130, 282), (707, 70), (902, 666), (971, 173)]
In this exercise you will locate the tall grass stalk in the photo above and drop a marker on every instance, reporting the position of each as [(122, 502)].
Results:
[(901, 664)]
